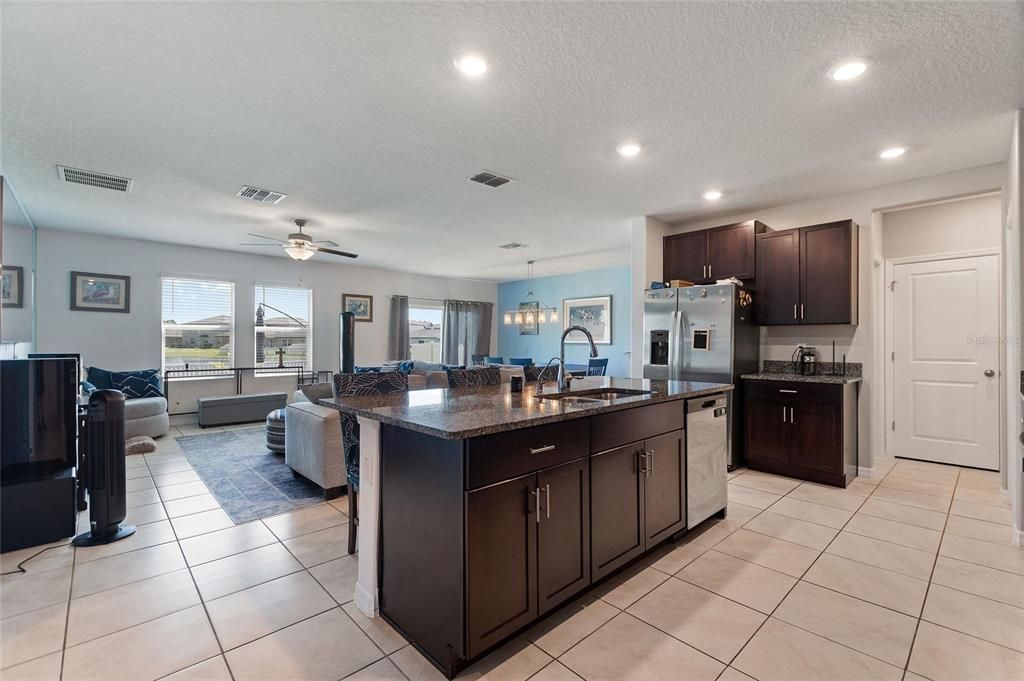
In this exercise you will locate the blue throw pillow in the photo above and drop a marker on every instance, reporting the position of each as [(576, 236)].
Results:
[(87, 387), (367, 370), (135, 384), (100, 378)]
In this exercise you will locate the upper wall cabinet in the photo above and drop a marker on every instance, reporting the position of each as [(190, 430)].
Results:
[(808, 275), (708, 255)]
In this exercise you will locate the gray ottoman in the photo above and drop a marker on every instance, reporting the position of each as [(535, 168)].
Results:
[(275, 431)]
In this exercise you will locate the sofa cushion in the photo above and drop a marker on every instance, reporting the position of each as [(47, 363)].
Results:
[(317, 391), (153, 426), (100, 378), (136, 384), (144, 406)]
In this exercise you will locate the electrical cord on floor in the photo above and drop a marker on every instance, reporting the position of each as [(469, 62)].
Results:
[(21, 570)]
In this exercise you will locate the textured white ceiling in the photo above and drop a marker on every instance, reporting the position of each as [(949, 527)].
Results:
[(355, 111)]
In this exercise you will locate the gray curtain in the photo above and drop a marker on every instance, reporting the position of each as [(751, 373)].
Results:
[(398, 331), (467, 331)]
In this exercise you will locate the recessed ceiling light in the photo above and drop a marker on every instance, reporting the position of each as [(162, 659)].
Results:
[(628, 149), (892, 152), (712, 195), (848, 70), (472, 65)]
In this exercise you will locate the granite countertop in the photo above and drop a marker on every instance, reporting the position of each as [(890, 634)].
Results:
[(461, 413), (800, 378)]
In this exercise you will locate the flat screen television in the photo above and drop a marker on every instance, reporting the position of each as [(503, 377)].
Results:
[(38, 417)]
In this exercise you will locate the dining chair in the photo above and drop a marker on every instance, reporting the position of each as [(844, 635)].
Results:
[(478, 360), (597, 367), (521, 361), (494, 360), (356, 385)]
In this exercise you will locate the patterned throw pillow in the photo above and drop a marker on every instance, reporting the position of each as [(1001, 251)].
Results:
[(350, 385), (367, 370), (135, 384), (100, 378)]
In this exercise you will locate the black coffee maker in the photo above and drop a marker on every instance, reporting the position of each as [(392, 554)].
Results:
[(807, 360)]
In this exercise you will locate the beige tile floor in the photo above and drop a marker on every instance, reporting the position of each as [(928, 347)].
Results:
[(907, 574)]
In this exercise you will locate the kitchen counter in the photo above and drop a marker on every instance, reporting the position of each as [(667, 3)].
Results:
[(471, 412), (800, 378)]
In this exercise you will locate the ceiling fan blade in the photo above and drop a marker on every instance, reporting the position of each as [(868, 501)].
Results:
[(334, 252), (274, 245), (328, 244), (269, 238)]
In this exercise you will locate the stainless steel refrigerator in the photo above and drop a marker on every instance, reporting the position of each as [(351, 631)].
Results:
[(703, 333)]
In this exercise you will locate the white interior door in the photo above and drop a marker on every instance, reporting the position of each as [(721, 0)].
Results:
[(945, 335)]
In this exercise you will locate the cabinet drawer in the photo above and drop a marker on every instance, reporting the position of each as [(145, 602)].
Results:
[(493, 458), (608, 431), (794, 391)]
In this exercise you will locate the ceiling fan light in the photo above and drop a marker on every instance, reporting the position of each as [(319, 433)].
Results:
[(299, 253)]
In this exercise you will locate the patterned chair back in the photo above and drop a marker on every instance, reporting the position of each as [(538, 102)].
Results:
[(358, 385), (535, 372), (474, 378), (597, 367)]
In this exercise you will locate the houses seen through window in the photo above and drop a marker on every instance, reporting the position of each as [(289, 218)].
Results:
[(425, 331), (283, 327), (198, 322)]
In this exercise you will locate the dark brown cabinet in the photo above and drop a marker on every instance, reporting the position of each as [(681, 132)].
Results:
[(802, 430), (563, 533), (808, 275), (639, 499), (710, 254)]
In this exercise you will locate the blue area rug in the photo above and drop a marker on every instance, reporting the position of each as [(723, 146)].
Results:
[(248, 480)]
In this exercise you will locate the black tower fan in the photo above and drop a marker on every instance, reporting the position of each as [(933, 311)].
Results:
[(104, 470)]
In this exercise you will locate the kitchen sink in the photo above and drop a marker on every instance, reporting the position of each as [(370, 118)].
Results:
[(594, 394)]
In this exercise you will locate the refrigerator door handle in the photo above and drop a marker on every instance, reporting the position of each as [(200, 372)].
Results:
[(673, 338)]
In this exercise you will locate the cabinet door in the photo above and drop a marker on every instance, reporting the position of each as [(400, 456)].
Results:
[(616, 501), (665, 488), (731, 252), (778, 277), (501, 560), (828, 280), (818, 437), (686, 256), (767, 431), (563, 542)]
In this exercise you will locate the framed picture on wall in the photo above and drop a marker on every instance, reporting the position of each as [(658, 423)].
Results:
[(359, 305), (92, 292), (593, 314), (13, 286), (529, 328)]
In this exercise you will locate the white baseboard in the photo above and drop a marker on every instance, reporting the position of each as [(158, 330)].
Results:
[(864, 470), (366, 601), (1018, 537)]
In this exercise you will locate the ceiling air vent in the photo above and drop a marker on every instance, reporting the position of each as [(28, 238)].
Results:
[(512, 246), (101, 180), (261, 195), (490, 179)]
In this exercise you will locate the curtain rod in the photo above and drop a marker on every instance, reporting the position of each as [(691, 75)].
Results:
[(439, 300)]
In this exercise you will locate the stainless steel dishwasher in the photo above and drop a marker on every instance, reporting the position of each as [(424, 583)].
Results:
[(707, 456)]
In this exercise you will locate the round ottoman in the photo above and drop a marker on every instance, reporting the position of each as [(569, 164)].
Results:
[(275, 431)]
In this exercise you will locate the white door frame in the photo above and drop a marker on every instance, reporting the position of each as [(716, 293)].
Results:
[(890, 384)]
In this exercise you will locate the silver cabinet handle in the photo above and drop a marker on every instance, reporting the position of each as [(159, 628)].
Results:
[(801, 310), (709, 271), (794, 311), (650, 465), (541, 450), (990, 373), (783, 414), (547, 499), (641, 458), (536, 495), (792, 392), (791, 415)]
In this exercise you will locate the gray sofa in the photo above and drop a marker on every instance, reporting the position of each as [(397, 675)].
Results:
[(146, 416)]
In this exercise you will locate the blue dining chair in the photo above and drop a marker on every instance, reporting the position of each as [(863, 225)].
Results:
[(521, 361), (597, 367), (478, 360), (494, 360)]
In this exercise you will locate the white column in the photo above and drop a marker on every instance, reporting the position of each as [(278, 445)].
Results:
[(367, 595)]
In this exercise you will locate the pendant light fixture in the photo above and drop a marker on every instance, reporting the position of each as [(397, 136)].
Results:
[(542, 315)]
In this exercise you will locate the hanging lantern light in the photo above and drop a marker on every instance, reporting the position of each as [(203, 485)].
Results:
[(508, 318), (541, 314)]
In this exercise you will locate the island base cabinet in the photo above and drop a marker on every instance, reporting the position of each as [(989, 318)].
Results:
[(638, 494), (501, 560), (563, 534)]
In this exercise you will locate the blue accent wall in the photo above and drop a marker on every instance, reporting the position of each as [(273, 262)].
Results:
[(614, 281)]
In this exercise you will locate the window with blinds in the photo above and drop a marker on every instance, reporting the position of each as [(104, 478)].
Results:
[(284, 327), (198, 324)]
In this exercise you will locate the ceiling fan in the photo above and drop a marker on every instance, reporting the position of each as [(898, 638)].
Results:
[(299, 246)]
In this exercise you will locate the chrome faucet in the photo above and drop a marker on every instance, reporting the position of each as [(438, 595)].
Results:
[(564, 379)]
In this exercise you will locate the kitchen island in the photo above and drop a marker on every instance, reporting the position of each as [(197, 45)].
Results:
[(481, 510)]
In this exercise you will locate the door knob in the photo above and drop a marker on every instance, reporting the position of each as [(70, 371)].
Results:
[(989, 373)]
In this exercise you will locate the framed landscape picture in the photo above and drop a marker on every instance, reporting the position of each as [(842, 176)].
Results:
[(92, 292), (359, 305), (593, 314), (13, 286), (529, 328)]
